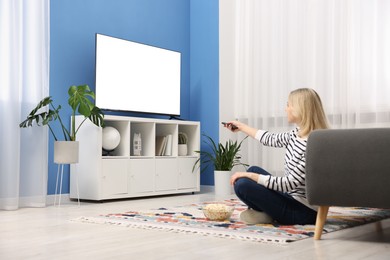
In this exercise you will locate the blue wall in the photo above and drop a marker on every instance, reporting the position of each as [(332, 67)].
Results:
[(204, 71), (187, 26)]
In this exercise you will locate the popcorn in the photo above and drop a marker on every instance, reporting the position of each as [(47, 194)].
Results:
[(218, 212)]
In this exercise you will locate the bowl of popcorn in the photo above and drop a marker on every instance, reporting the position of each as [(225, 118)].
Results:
[(217, 212)]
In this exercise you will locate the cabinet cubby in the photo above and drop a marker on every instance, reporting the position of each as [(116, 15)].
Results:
[(122, 174), (123, 129), (147, 136)]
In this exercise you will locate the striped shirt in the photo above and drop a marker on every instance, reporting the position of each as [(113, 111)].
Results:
[(293, 181)]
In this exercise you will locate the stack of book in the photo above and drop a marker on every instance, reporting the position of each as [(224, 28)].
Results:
[(164, 145)]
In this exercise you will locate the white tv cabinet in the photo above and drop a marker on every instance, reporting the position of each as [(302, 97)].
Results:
[(124, 175)]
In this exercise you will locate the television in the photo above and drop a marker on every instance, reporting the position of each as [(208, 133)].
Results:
[(135, 77)]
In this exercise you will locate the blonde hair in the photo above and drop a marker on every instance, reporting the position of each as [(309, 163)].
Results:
[(307, 108)]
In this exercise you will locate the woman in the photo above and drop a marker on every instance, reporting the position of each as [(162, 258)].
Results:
[(282, 199)]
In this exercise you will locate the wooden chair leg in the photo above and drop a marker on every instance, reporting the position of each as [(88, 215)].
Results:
[(320, 222), (378, 227)]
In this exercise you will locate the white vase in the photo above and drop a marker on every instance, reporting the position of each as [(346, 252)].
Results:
[(182, 149), (222, 183), (66, 152)]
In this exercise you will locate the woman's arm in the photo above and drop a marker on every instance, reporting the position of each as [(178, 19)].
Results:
[(242, 127), (250, 175)]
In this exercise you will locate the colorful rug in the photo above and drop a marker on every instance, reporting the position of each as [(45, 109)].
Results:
[(190, 220)]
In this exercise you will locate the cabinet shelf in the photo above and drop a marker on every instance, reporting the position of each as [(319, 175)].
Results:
[(141, 157), (123, 173), (114, 157)]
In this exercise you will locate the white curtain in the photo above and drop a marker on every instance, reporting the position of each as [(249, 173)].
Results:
[(340, 48), (24, 80)]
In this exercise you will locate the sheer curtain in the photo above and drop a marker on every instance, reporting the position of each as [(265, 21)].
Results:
[(270, 47), (24, 80)]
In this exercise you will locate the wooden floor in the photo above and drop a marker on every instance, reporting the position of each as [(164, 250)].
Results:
[(47, 233)]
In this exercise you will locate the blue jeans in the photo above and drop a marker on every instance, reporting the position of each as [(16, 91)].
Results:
[(282, 207)]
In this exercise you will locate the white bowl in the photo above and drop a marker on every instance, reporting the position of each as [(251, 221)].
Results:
[(217, 212)]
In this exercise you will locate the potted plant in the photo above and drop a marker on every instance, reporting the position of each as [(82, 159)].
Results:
[(223, 157), (80, 101), (182, 141)]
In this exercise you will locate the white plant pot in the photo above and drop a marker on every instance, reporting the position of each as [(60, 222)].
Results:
[(66, 152), (182, 150), (222, 183)]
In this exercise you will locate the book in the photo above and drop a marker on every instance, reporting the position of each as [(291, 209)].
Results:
[(168, 148), (160, 140), (164, 146)]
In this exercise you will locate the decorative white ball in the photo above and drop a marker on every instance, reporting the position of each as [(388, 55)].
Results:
[(111, 138)]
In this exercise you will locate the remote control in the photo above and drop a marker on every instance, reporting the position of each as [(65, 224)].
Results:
[(233, 127)]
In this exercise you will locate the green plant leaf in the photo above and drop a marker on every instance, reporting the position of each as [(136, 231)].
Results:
[(222, 156), (80, 100)]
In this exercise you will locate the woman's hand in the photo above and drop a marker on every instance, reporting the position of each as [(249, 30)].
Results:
[(236, 126), (238, 175), (232, 125)]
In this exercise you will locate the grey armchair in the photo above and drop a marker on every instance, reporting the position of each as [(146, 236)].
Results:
[(349, 167)]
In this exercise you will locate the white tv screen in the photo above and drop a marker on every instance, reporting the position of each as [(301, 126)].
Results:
[(136, 77)]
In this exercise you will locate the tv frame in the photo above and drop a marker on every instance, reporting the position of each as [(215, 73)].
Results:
[(172, 114)]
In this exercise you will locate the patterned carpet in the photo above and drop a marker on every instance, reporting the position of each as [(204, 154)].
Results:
[(189, 219)]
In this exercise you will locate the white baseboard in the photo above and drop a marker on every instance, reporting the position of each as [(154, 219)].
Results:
[(206, 188), (65, 199)]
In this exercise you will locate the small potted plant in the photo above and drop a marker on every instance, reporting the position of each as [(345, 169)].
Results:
[(80, 101), (223, 157), (182, 141)]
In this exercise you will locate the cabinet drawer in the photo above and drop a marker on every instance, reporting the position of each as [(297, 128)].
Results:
[(166, 174), (141, 175), (114, 177), (188, 179)]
